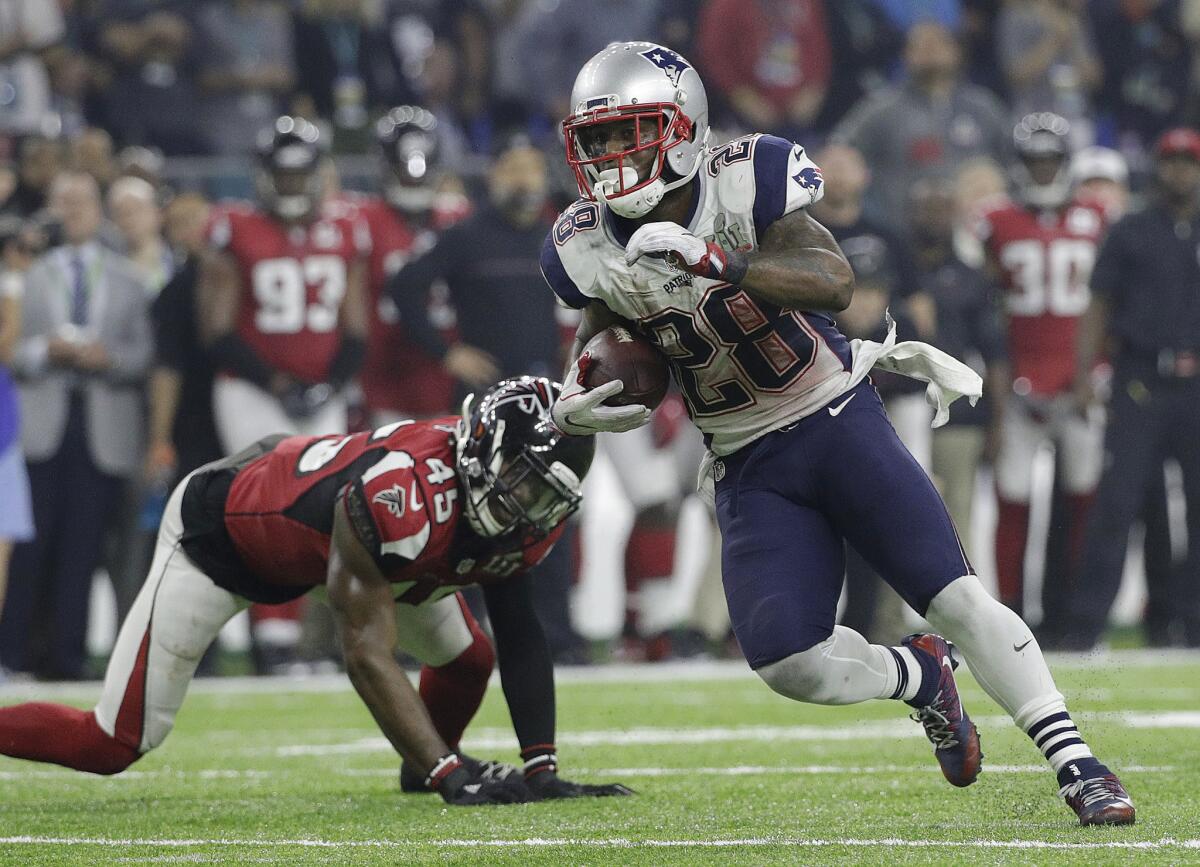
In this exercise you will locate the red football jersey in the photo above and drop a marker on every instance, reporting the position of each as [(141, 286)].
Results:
[(1044, 259), (293, 282), (404, 502), (397, 375)]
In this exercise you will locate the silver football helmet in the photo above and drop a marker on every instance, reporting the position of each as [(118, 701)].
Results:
[(1043, 169), (638, 126)]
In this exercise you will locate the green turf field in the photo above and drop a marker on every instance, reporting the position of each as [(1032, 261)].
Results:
[(726, 773)]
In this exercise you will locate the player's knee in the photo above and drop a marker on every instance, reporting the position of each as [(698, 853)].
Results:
[(959, 607), (802, 676), (102, 753)]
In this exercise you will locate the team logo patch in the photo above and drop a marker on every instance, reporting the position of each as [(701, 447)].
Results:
[(809, 178), (718, 470), (669, 62), (393, 498)]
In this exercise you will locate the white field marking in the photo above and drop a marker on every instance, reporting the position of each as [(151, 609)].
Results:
[(733, 771), (497, 739), (603, 843), (635, 673)]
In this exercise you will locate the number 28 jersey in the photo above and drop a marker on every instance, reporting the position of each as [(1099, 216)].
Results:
[(293, 280), (745, 367)]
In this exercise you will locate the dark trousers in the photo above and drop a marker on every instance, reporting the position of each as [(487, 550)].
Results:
[(1150, 418), (50, 578)]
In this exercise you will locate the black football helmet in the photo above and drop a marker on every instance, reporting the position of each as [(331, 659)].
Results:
[(1043, 170), (289, 181), (520, 474), (408, 140)]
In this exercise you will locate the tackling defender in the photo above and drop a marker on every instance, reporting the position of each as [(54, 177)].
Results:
[(710, 252), (408, 514)]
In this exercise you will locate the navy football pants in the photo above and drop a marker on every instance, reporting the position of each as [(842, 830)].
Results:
[(789, 502)]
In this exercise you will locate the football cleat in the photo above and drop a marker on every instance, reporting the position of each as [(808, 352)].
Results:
[(954, 737), (1099, 801), (480, 769)]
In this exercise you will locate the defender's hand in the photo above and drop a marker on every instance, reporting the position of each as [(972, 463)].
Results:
[(691, 254), (460, 787), (548, 785), (581, 412)]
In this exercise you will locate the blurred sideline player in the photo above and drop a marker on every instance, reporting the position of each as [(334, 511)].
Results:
[(282, 309), (409, 514), (399, 379), (1041, 244), (802, 456)]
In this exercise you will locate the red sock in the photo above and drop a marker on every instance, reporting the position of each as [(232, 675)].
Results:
[(1012, 533), (44, 732), (453, 692)]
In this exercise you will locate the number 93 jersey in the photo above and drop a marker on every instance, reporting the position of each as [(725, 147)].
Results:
[(293, 280), (745, 367)]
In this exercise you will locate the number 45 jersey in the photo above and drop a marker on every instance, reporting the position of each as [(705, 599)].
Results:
[(259, 523), (745, 367), (293, 279)]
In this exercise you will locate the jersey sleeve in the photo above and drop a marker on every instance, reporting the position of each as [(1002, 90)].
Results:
[(387, 511), (785, 180), (563, 257)]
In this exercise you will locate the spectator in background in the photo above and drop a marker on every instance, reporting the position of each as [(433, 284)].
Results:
[(151, 48), (884, 278), (133, 206), (39, 161), (506, 322), (792, 67), (247, 69), (934, 121), (1050, 61), (1146, 307), (977, 184), (1102, 174), (541, 50), (92, 152), (16, 516), (967, 327), (1147, 63), (148, 164), (29, 29), (84, 350)]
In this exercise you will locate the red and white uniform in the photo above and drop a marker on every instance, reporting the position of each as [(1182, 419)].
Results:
[(263, 524), (398, 377), (1044, 260), (293, 282)]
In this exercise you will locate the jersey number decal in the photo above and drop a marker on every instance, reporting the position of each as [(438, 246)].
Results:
[(580, 218), (771, 348), (281, 291), (1048, 278), (443, 501), (734, 152)]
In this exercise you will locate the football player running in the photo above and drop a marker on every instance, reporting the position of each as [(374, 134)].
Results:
[(408, 514), (710, 252)]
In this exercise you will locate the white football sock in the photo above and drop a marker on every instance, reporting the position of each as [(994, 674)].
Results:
[(843, 669)]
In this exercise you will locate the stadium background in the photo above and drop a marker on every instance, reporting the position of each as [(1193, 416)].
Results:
[(176, 93)]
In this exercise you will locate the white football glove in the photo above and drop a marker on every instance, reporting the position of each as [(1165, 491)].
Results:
[(581, 412), (652, 238)]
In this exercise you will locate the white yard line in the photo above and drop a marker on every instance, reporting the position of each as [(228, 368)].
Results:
[(600, 843)]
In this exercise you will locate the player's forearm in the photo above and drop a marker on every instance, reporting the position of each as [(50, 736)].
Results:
[(1092, 327), (526, 668), (809, 279), (165, 386), (395, 705)]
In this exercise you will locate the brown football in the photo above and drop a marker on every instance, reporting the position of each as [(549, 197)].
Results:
[(618, 353)]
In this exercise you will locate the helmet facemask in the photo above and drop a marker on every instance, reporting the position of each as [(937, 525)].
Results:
[(630, 179), (1043, 168)]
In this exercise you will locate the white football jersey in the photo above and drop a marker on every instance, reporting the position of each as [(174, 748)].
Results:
[(744, 366)]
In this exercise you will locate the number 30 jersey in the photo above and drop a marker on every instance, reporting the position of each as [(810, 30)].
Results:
[(745, 367), (293, 280)]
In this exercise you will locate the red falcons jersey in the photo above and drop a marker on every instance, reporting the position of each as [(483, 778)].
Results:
[(1044, 260), (402, 497), (397, 375), (293, 280)]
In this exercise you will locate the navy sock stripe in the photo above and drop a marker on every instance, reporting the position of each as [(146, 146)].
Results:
[(1061, 745), (1051, 734), (1042, 723), (902, 684)]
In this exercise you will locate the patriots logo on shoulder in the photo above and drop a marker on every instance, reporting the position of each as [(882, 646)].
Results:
[(669, 62), (809, 178), (393, 498)]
